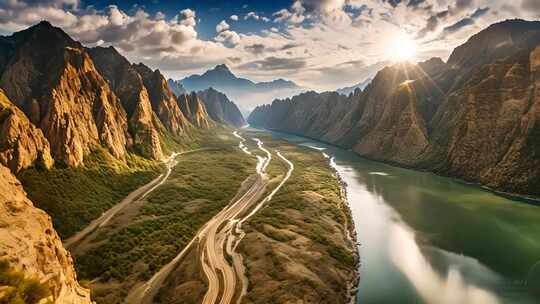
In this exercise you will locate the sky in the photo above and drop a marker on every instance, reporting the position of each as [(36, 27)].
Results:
[(322, 45)]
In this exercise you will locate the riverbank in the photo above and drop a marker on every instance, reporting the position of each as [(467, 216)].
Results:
[(523, 198), (300, 246), (353, 237), (433, 239)]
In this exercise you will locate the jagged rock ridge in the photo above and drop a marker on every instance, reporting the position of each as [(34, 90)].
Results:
[(476, 119), (195, 110), (128, 85), (221, 109), (54, 81)]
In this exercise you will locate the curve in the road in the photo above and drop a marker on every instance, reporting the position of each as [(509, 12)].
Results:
[(239, 233), (135, 195), (219, 237)]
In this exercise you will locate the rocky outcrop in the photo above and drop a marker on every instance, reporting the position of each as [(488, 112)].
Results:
[(54, 81), (128, 85), (176, 87), (477, 119), (163, 101), (195, 111), (221, 109), (30, 244), (22, 145)]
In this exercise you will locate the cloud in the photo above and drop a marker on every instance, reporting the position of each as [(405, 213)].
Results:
[(320, 44), (275, 63), (432, 24), (293, 15), (251, 15), (222, 26), (531, 5), (289, 46), (257, 48), (228, 38), (465, 21), (187, 17)]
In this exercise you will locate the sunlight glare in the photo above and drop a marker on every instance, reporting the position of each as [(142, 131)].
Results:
[(402, 48)]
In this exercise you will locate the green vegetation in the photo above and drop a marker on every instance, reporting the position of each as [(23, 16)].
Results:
[(197, 138), (75, 196), (200, 185), (15, 288), (308, 206)]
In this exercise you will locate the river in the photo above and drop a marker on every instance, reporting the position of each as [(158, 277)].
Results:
[(424, 238)]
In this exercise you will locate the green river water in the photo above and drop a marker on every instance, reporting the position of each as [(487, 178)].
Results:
[(430, 239)]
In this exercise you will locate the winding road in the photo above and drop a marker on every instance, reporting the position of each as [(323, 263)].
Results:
[(136, 195), (218, 238)]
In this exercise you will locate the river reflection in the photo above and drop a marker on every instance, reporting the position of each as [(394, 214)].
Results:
[(429, 239)]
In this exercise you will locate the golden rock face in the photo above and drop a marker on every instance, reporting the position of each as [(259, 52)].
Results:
[(479, 121), (29, 243), (22, 144)]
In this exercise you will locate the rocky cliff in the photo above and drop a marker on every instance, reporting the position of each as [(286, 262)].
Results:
[(21, 144), (128, 85), (476, 118), (163, 101), (195, 110), (54, 81), (176, 87), (221, 109), (30, 244)]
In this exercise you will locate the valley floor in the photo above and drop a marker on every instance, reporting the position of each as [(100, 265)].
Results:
[(246, 219)]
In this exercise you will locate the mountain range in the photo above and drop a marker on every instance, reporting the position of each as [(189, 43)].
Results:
[(348, 90), (475, 117), (60, 102), (247, 93)]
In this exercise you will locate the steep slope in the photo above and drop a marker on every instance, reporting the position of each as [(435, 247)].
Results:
[(176, 87), (195, 111), (29, 243), (128, 86), (54, 81), (348, 90), (21, 144), (473, 120), (163, 101), (220, 108)]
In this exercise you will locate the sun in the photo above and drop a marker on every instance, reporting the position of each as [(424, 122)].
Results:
[(402, 48)]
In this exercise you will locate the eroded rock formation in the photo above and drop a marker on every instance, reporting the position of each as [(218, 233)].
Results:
[(22, 145), (54, 81), (195, 110), (30, 244)]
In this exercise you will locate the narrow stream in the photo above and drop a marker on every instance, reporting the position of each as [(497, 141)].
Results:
[(429, 239)]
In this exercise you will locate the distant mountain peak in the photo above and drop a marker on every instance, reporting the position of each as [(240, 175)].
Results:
[(222, 66), (220, 70), (221, 78)]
